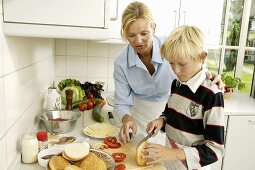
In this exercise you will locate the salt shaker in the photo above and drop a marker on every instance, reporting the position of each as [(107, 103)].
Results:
[(42, 138), (29, 148), (53, 99)]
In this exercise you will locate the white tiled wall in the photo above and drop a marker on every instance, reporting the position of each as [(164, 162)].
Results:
[(86, 60), (27, 67)]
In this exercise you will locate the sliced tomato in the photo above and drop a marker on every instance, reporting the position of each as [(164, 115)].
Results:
[(120, 167), (119, 156), (110, 139), (114, 145)]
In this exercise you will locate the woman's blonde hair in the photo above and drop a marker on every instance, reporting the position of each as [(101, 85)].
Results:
[(134, 11), (183, 43)]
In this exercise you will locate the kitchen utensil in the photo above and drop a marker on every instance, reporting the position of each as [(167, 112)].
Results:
[(111, 118), (144, 139), (59, 121)]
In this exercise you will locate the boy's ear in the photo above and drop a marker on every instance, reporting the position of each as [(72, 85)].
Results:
[(203, 56)]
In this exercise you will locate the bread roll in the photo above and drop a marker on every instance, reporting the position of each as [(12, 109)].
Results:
[(139, 160), (58, 162), (72, 167), (76, 151)]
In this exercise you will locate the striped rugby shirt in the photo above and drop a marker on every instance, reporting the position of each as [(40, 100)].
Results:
[(195, 120)]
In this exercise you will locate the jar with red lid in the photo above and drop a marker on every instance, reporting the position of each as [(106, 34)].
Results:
[(42, 137)]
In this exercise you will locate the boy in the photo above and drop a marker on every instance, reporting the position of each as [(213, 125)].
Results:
[(194, 117)]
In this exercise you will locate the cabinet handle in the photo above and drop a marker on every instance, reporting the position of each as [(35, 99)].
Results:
[(117, 12), (175, 19), (184, 17), (251, 122)]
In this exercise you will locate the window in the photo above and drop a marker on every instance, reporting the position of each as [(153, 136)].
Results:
[(236, 54)]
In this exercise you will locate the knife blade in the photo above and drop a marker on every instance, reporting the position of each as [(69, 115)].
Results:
[(144, 139)]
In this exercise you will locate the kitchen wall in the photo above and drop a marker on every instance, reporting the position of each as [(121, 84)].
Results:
[(27, 66), (86, 61)]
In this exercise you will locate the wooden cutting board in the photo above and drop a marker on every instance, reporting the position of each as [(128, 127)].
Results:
[(130, 150)]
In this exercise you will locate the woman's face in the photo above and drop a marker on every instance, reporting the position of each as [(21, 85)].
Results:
[(139, 35)]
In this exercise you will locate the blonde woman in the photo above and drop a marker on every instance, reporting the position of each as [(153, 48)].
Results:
[(193, 118), (142, 76)]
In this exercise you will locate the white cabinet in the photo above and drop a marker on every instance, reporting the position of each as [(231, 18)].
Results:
[(205, 14), (57, 18), (240, 143), (169, 14), (115, 25)]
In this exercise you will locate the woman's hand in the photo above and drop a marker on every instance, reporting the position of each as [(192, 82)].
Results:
[(154, 126), (156, 153), (128, 123), (215, 79)]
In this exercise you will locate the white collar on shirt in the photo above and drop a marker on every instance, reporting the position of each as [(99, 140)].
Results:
[(196, 80)]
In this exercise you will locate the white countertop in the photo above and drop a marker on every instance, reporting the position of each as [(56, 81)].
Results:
[(239, 104)]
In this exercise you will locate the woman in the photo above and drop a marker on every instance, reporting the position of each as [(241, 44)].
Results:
[(142, 77)]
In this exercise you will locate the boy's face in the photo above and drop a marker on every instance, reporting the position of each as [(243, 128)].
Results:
[(185, 70)]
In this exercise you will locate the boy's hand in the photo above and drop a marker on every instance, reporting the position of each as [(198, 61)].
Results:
[(154, 126), (156, 153)]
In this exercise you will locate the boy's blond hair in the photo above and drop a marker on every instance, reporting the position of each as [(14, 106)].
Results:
[(134, 11), (183, 43)]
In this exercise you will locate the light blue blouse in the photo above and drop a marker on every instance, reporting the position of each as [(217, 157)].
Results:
[(132, 78)]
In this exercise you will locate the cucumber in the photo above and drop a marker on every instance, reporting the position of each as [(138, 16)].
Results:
[(96, 113)]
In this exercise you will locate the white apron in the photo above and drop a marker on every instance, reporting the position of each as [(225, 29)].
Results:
[(143, 112)]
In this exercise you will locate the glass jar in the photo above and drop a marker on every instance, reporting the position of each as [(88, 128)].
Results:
[(29, 148)]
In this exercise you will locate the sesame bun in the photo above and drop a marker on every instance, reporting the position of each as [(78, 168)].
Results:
[(72, 167), (75, 151)]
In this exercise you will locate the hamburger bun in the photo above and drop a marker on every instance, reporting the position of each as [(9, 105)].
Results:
[(92, 162), (58, 162), (76, 151), (139, 160), (72, 167)]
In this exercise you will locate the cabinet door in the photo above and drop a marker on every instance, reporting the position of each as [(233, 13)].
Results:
[(115, 25), (82, 13), (240, 143), (165, 13), (206, 15)]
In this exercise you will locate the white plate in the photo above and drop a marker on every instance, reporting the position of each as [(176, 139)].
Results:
[(106, 157), (100, 130)]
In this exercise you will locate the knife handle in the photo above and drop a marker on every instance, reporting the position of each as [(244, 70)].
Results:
[(110, 115)]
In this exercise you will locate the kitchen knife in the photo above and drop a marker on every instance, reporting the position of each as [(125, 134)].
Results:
[(144, 139), (111, 118)]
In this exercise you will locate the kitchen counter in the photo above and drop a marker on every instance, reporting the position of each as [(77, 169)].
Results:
[(239, 104), (85, 120)]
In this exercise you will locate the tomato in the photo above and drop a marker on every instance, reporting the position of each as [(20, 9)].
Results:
[(110, 139), (119, 156), (114, 145), (90, 105), (120, 167), (90, 95), (83, 106)]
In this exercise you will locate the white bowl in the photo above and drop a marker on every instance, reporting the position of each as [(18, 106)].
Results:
[(49, 151)]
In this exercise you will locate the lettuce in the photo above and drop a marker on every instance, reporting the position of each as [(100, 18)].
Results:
[(78, 93)]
